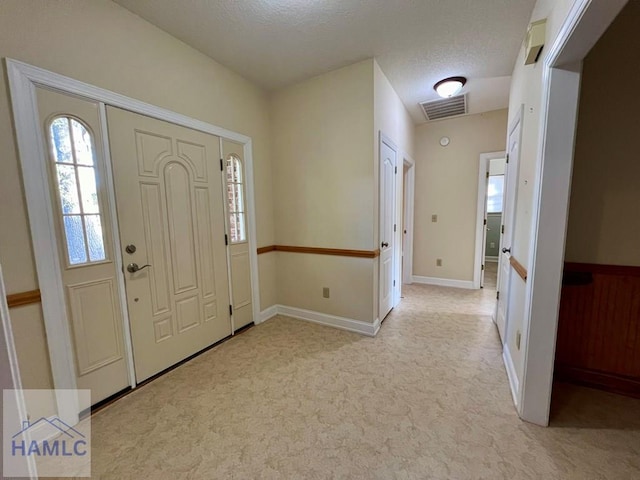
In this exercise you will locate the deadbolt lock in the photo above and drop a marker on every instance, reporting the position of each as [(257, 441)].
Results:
[(130, 249)]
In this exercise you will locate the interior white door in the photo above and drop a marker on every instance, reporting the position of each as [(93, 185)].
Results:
[(76, 173), (388, 158), (507, 229), (170, 211), (239, 266)]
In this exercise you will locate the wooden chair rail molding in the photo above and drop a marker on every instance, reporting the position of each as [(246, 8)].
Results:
[(518, 267), (23, 298), (339, 252)]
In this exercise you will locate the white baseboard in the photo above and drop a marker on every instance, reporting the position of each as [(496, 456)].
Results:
[(491, 259), (268, 313), (443, 282), (357, 326), (514, 383)]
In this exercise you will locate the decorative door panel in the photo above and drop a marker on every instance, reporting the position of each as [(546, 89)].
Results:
[(238, 234), (76, 171)]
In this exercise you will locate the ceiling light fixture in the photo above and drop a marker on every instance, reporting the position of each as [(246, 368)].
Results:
[(450, 86)]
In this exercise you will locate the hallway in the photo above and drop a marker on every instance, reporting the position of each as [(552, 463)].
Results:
[(427, 398)]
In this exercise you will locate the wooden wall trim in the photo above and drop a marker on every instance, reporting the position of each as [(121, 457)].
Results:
[(518, 267), (267, 249), (339, 252), (23, 298), (603, 269)]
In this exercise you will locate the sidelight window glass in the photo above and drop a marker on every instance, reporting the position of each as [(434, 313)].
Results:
[(236, 200), (73, 152)]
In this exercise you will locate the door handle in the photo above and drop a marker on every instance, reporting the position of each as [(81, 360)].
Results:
[(133, 267), (384, 244), (506, 250)]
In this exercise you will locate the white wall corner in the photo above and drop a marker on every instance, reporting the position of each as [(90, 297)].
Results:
[(444, 282)]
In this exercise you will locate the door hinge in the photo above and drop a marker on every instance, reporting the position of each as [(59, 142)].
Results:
[(497, 295), (226, 239), (394, 227), (395, 170), (230, 310), (502, 229), (487, 174), (507, 158), (394, 283), (482, 267), (221, 168), (485, 221)]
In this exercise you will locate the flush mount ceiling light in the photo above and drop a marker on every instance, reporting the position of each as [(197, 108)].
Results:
[(449, 86)]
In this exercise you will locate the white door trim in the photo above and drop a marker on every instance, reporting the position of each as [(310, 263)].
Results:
[(483, 168), (583, 27), (14, 381), (409, 205), (23, 80)]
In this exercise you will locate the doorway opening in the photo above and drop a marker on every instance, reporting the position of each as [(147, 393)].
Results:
[(491, 198)]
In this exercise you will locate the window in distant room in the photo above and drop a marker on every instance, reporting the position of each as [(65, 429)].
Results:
[(495, 192)]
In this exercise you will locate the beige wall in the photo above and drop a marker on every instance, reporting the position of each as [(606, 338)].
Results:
[(103, 44), (526, 89), (447, 186), (604, 226), (324, 183)]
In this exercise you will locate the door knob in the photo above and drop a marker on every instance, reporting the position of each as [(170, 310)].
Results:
[(506, 250), (384, 244), (133, 267)]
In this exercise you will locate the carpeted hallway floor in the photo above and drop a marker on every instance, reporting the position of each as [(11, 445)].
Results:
[(426, 399)]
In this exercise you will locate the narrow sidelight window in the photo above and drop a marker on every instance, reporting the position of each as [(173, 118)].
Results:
[(235, 197), (75, 172)]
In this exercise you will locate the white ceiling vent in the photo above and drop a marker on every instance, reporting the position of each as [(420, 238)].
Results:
[(449, 107)]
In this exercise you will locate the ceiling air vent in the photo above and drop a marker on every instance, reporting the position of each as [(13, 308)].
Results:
[(449, 107)]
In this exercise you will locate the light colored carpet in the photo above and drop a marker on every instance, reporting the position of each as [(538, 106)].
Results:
[(426, 399)]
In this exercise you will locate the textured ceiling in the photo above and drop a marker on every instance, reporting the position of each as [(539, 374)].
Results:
[(275, 43)]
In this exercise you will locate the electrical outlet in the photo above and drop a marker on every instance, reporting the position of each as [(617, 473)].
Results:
[(434, 218), (438, 262), (518, 338), (325, 292)]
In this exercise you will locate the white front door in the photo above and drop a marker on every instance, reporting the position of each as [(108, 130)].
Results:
[(168, 184), (388, 157), (507, 229), (77, 174)]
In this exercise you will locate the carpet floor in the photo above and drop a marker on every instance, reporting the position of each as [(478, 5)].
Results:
[(428, 398)]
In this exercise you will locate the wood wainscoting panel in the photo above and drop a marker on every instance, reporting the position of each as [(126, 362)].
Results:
[(23, 298), (599, 327)]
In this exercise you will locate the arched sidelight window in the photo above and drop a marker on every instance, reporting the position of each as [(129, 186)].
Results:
[(235, 197), (74, 157)]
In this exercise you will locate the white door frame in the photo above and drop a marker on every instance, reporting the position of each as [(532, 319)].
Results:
[(409, 205), (562, 71), (13, 381), (483, 169), (23, 80)]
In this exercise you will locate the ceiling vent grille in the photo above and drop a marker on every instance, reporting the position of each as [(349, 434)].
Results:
[(448, 107)]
